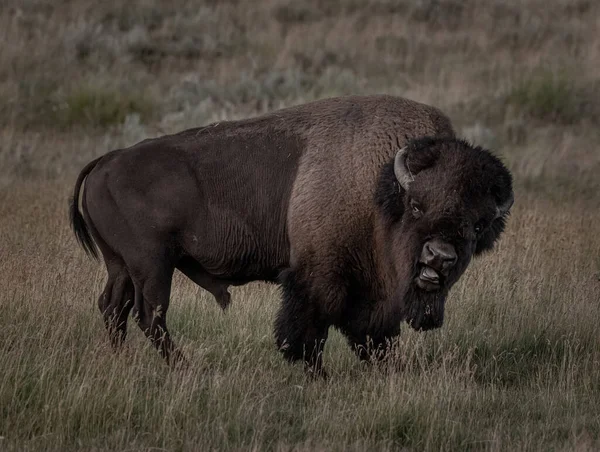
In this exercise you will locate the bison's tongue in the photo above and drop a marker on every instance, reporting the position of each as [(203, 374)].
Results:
[(429, 274)]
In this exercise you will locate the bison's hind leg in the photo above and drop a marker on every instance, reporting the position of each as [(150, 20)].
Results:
[(116, 301), (152, 282), (300, 328)]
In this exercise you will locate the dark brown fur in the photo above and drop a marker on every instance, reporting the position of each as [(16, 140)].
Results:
[(302, 196)]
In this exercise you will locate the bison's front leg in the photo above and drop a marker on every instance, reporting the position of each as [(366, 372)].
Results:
[(300, 328), (369, 345), (371, 349)]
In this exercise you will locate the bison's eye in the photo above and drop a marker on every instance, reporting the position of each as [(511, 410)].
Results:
[(416, 209), (478, 228)]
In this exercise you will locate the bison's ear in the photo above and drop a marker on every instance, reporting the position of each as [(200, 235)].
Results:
[(503, 207), (489, 238)]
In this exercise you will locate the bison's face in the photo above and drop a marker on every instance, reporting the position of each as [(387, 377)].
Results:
[(454, 200)]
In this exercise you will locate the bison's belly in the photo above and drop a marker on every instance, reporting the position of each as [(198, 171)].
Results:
[(231, 248)]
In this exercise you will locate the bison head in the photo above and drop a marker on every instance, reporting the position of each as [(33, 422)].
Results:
[(446, 201)]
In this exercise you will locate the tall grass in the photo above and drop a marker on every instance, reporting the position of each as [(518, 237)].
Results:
[(516, 365)]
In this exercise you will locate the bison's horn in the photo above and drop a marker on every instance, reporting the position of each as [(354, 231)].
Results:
[(503, 208), (401, 170)]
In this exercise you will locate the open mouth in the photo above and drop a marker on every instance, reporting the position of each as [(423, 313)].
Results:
[(429, 279)]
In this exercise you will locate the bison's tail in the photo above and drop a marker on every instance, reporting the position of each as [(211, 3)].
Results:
[(80, 228)]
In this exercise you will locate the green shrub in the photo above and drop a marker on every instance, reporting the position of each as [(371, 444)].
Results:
[(45, 103), (548, 97), (94, 107)]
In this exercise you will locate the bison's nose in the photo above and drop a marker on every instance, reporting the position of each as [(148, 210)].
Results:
[(439, 255)]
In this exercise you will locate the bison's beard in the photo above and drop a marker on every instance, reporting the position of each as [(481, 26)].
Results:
[(423, 310)]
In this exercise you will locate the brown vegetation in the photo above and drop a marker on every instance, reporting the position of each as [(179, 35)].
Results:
[(516, 365)]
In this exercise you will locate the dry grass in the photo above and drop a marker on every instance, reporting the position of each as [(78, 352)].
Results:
[(516, 365)]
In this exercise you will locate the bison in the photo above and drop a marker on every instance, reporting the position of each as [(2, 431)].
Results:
[(365, 209)]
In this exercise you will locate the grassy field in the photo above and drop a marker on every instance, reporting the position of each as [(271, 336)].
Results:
[(516, 365)]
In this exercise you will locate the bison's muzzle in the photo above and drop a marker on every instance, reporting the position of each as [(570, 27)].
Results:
[(436, 261)]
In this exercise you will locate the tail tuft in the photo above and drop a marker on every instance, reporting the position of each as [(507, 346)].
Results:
[(78, 224), (80, 228)]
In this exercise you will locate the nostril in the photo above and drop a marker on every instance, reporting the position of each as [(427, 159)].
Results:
[(449, 260), (429, 252)]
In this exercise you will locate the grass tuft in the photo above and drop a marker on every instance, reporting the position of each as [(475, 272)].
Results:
[(96, 107), (548, 96)]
